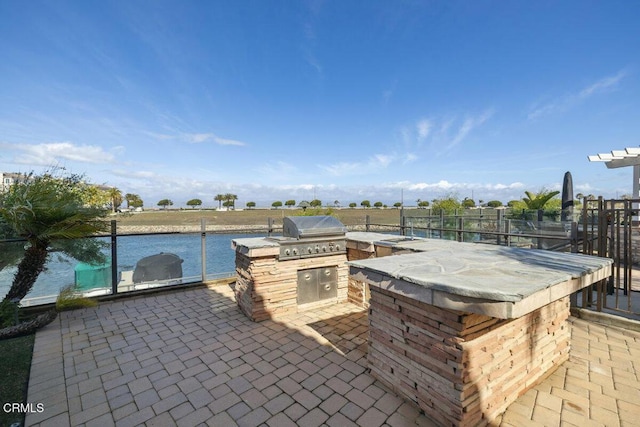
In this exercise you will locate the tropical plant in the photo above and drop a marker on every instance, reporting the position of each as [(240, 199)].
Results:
[(494, 203), (48, 211), (70, 299), (164, 203), (447, 204), (423, 204), (336, 203), (315, 211), (538, 200), (194, 202)]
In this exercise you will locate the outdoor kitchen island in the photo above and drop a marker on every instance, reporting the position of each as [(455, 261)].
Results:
[(464, 329)]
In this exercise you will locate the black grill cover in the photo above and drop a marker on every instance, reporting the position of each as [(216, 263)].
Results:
[(161, 266)]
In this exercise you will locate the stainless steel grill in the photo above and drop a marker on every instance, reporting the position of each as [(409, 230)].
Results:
[(312, 226), (311, 236)]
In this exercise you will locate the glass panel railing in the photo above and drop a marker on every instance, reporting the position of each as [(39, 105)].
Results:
[(150, 261), (59, 272), (220, 257)]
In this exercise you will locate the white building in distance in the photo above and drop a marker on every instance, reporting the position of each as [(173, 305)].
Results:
[(7, 179)]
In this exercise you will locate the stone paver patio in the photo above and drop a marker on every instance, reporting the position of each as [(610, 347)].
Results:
[(191, 358)]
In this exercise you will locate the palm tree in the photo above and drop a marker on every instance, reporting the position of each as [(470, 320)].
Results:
[(48, 212), (230, 199), (115, 198), (133, 200), (219, 198)]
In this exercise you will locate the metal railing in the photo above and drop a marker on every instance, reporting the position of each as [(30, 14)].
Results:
[(491, 226), (610, 229), (205, 254)]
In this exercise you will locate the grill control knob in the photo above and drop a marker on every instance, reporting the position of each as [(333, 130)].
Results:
[(310, 249), (337, 247), (317, 248), (295, 251), (287, 252), (324, 249)]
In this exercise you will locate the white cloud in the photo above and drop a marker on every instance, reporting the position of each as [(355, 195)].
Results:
[(374, 163), (444, 185), (409, 158), (278, 169), (423, 127), (49, 153), (445, 133), (160, 136), (602, 85), (225, 141), (138, 174), (564, 103), (197, 138), (468, 125)]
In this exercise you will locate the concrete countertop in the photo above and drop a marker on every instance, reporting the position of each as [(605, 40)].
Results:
[(255, 246), (498, 281)]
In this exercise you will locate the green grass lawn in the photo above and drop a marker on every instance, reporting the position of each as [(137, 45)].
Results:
[(15, 363)]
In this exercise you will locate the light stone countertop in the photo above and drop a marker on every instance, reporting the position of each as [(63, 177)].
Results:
[(500, 281)]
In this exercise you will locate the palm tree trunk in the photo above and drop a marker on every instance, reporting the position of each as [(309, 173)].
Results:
[(35, 258)]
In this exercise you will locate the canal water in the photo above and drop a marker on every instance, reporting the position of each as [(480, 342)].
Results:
[(60, 270)]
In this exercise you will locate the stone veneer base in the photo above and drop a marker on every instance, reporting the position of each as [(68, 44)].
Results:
[(267, 288), (463, 369)]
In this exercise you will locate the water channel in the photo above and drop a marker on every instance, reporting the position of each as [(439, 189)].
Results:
[(60, 270)]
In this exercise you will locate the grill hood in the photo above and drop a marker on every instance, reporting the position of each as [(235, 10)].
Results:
[(301, 227)]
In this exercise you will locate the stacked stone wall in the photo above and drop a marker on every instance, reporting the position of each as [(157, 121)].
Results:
[(461, 368)]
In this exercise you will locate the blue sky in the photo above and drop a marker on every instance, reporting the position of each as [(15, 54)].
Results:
[(344, 100)]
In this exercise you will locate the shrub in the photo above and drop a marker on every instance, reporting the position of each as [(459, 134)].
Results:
[(69, 299)]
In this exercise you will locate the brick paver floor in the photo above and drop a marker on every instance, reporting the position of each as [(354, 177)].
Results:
[(192, 358)]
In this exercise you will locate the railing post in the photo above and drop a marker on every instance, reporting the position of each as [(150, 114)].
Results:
[(507, 232), (203, 247), (403, 224), (498, 226), (269, 226), (460, 232), (538, 239), (367, 221), (574, 237), (114, 258)]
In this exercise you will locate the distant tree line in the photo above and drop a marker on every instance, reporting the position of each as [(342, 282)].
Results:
[(543, 199)]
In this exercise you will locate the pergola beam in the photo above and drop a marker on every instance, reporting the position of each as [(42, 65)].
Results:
[(630, 156)]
